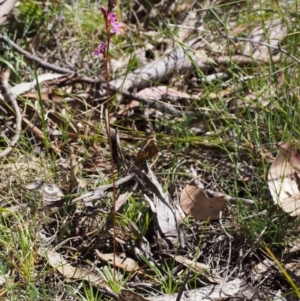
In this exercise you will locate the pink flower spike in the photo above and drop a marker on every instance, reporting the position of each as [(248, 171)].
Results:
[(112, 17), (100, 49), (117, 28), (103, 10)]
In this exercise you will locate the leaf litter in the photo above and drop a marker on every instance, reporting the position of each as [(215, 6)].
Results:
[(80, 228)]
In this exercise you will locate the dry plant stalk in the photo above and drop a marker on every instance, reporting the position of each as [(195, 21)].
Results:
[(112, 26)]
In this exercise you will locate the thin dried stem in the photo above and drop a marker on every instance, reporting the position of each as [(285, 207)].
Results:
[(106, 57)]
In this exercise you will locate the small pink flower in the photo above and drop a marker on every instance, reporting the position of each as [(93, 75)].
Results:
[(112, 17), (100, 49), (116, 27)]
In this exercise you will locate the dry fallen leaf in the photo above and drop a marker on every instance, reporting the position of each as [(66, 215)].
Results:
[(25, 87), (126, 295), (50, 192), (6, 6), (126, 264), (57, 261), (290, 153), (283, 179), (197, 204), (122, 199), (161, 92)]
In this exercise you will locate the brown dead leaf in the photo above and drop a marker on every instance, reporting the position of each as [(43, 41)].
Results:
[(127, 295), (126, 264), (283, 180), (57, 261), (197, 204)]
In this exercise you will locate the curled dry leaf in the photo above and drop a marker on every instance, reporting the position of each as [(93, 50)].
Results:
[(284, 179), (197, 204), (127, 264), (50, 192)]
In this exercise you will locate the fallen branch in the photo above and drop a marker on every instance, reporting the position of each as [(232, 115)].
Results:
[(96, 194), (183, 59), (34, 58)]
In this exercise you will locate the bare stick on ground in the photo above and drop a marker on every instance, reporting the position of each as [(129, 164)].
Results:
[(11, 99)]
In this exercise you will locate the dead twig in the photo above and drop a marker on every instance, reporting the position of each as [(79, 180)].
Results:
[(169, 108), (34, 58), (40, 135), (181, 290), (128, 95), (279, 49), (10, 98), (99, 192), (230, 239)]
